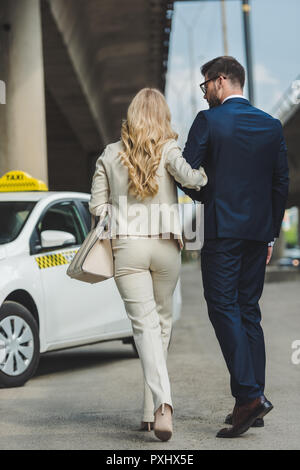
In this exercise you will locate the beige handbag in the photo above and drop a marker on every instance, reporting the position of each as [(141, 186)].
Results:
[(93, 261)]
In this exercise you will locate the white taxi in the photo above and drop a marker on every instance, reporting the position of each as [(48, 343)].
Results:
[(41, 308)]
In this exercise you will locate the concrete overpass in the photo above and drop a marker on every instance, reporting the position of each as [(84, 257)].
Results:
[(71, 68)]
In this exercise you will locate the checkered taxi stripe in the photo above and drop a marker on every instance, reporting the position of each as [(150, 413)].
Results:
[(57, 259)]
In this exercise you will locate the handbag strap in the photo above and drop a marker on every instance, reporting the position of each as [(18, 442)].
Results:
[(104, 222), (93, 221)]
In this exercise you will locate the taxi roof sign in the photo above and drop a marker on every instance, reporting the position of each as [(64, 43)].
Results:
[(20, 181)]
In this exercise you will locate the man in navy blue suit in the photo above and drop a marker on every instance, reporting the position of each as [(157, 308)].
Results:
[(243, 152)]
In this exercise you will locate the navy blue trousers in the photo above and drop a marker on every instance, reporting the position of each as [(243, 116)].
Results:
[(233, 274)]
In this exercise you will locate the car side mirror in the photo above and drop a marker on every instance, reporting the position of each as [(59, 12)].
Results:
[(55, 238)]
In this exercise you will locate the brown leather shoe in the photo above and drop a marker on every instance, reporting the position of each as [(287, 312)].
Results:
[(244, 416), (258, 423)]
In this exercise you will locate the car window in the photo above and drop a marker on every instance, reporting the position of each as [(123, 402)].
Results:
[(13, 216), (87, 214), (62, 216)]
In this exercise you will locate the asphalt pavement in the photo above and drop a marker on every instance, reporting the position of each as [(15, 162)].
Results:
[(90, 397)]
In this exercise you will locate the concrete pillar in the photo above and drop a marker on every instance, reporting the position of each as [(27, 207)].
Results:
[(4, 30), (26, 118)]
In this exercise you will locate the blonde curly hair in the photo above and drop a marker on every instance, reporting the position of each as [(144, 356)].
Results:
[(143, 134)]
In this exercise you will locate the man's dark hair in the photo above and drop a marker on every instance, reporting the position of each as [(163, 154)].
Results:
[(227, 66)]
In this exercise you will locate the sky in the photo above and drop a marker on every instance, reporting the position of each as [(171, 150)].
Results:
[(196, 37)]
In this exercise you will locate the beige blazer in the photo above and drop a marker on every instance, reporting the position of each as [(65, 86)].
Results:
[(154, 216)]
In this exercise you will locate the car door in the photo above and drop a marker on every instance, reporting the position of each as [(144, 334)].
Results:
[(77, 312)]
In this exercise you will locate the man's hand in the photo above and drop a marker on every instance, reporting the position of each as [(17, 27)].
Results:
[(269, 256)]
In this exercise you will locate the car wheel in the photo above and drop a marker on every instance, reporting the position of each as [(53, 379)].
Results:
[(19, 345)]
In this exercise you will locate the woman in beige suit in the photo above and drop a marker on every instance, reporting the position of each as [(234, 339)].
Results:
[(134, 183)]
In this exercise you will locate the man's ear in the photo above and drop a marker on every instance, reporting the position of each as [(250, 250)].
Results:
[(218, 85)]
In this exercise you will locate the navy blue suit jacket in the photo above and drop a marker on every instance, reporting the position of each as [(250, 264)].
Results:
[(243, 152)]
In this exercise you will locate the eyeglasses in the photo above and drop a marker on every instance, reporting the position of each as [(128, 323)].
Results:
[(203, 85)]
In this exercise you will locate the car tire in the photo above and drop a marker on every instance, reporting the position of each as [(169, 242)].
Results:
[(20, 344)]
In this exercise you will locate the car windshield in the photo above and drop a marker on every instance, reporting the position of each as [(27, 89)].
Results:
[(13, 215)]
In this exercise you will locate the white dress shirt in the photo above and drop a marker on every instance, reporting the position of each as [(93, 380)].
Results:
[(234, 96)]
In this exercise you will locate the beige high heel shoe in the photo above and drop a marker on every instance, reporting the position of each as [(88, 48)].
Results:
[(163, 428)]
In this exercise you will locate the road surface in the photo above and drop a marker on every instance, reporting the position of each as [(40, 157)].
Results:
[(90, 397)]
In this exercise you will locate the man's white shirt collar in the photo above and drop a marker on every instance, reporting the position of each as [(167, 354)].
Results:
[(234, 96)]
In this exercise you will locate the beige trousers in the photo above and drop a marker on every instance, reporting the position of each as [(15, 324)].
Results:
[(146, 272)]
